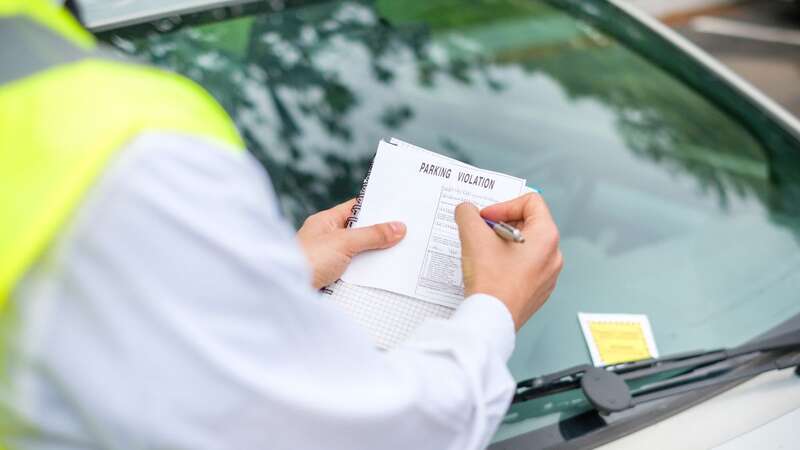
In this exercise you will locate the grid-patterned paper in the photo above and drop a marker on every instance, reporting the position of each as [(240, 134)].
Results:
[(388, 317)]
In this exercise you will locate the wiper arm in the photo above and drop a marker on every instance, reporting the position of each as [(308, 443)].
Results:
[(607, 390)]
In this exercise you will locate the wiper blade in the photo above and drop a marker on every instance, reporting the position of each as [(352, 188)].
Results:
[(607, 390)]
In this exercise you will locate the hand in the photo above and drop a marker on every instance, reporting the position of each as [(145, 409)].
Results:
[(522, 276), (329, 246)]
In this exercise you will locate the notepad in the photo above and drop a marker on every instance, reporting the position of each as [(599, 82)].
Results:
[(391, 292), (388, 318)]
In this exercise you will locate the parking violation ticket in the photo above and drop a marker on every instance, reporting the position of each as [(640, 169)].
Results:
[(618, 338), (422, 188)]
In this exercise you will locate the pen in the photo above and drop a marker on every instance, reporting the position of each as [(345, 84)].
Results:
[(505, 231)]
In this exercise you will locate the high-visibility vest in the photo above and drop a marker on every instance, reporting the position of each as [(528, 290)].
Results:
[(64, 111)]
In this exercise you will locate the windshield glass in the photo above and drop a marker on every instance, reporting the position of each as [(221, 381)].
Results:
[(666, 205)]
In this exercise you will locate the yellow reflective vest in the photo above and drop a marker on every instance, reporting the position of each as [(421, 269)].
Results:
[(64, 111)]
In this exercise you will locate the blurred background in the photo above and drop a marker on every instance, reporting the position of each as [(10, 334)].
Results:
[(758, 39)]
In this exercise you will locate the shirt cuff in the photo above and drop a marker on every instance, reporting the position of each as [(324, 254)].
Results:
[(487, 316)]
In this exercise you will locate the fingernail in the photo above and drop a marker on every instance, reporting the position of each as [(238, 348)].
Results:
[(398, 228), (466, 205), (535, 189)]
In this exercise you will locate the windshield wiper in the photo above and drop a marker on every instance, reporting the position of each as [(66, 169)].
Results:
[(607, 390)]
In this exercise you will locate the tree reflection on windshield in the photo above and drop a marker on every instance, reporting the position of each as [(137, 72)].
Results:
[(294, 112), (297, 112)]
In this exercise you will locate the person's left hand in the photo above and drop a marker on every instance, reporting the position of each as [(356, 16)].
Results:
[(329, 246)]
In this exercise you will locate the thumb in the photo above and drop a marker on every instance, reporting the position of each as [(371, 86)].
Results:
[(382, 235), (472, 228)]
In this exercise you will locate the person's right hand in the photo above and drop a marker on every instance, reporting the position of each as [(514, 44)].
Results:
[(521, 275)]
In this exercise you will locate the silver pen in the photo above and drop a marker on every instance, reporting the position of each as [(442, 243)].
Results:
[(505, 231)]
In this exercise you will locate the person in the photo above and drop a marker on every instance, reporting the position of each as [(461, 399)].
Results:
[(154, 297)]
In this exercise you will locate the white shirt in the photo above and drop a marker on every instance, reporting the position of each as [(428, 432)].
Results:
[(175, 311)]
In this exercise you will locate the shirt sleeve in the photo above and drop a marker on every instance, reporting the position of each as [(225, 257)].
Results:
[(176, 312)]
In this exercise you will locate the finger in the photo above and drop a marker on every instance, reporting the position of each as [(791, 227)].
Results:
[(515, 223), (527, 210), (382, 235), (510, 210), (341, 212), (472, 229)]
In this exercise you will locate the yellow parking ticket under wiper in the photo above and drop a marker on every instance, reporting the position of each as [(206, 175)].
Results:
[(617, 338)]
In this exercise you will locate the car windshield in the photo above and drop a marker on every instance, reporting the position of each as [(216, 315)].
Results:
[(668, 206)]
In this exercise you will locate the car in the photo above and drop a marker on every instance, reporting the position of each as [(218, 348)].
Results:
[(675, 184)]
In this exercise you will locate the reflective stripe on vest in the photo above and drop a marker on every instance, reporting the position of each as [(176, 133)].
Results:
[(44, 13), (64, 111), (40, 49)]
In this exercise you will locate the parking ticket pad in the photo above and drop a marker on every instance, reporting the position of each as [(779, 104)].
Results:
[(617, 338)]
